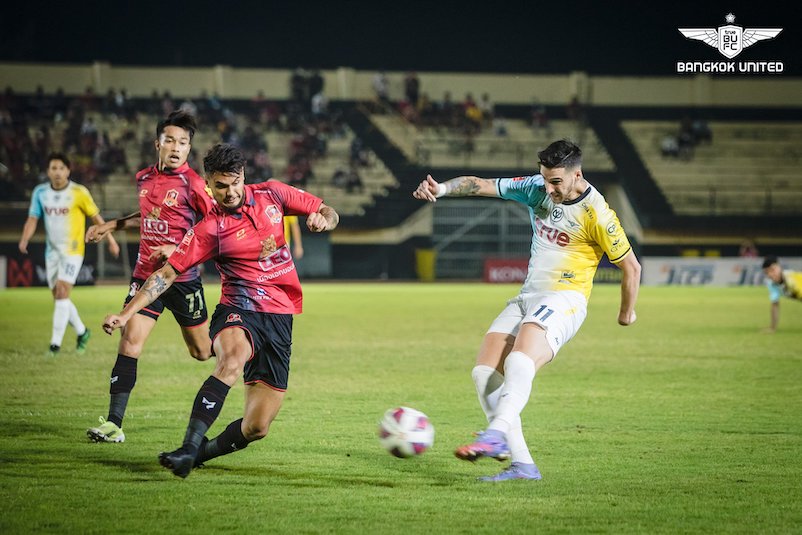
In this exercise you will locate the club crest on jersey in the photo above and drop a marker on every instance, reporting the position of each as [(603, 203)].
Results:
[(611, 229), (234, 318), (268, 247), (557, 214), (171, 198), (273, 213)]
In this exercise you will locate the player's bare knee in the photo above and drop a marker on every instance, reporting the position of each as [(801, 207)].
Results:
[(256, 430), (200, 353)]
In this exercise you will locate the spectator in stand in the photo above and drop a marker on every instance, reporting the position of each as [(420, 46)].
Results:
[(358, 153), (669, 146), (540, 119), (412, 88), (190, 107), (445, 111), (339, 178), (500, 126), (486, 107), (59, 105), (381, 88), (425, 110), (748, 249), (574, 110), (701, 131), (354, 181), (299, 86), (319, 106), (472, 115), (167, 105), (316, 83)]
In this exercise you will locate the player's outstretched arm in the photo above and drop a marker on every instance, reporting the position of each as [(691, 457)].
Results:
[(95, 233), (630, 284), (156, 285), (326, 218), (462, 186), (114, 247)]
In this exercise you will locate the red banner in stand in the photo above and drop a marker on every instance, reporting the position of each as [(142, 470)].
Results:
[(505, 269)]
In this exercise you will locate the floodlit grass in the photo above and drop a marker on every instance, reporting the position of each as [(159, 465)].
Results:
[(688, 421)]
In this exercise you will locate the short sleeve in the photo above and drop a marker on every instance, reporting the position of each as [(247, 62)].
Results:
[(36, 204), (86, 203), (199, 244), (294, 200), (606, 230), (775, 291), (528, 190)]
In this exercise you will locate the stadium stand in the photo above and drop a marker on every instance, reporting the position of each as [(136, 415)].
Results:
[(749, 168)]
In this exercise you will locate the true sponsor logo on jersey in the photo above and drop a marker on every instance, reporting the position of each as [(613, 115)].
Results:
[(261, 295), (557, 214), (273, 213), (234, 318), (134, 289), (143, 192), (208, 404), (171, 198), (518, 178), (240, 233), (552, 234), (53, 211)]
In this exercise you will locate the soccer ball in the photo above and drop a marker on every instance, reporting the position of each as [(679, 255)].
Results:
[(405, 432)]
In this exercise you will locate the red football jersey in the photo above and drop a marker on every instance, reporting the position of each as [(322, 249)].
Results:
[(256, 269), (170, 203)]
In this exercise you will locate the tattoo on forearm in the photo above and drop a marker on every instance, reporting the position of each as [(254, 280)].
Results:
[(155, 287), (462, 186)]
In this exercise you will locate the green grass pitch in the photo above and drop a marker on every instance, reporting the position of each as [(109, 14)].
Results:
[(690, 421)]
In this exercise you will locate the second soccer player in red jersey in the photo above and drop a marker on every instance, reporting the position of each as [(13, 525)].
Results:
[(172, 199), (251, 328)]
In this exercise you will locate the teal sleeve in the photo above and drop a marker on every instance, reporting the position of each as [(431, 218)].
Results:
[(36, 204), (775, 292), (528, 190)]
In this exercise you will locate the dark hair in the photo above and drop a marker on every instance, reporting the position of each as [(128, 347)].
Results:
[(58, 156), (561, 153), (769, 260), (179, 118), (223, 158)]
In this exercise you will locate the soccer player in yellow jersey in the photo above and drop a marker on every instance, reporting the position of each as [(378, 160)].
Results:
[(572, 228), (64, 205), (780, 282), (292, 231)]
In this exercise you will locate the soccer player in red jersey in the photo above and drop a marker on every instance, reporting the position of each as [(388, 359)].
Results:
[(172, 198), (251, 328)]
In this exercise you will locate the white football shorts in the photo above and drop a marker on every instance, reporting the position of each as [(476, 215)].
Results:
[(559, 313), (62, 267)]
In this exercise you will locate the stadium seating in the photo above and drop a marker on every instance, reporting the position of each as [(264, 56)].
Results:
[(750, 168), (442, 147)]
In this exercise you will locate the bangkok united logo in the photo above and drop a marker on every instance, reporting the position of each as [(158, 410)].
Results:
[(234, 318)]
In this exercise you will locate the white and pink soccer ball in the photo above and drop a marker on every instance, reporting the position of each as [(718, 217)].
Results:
[(405, 432)]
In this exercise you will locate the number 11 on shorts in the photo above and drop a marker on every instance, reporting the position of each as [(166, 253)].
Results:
[(543, 313)]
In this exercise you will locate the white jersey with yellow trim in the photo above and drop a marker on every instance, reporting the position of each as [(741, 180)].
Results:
[(568, 239)]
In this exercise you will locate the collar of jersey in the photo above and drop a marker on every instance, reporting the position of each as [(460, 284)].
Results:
[(183, 169), (574, 201)]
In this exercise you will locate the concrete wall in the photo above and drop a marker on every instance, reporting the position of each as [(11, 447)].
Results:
[(348, 84)]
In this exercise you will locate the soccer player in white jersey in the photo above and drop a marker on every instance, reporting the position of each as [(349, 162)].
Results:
[(64, 205), (572, 228)]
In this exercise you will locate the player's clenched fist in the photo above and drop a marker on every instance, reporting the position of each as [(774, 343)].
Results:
[(113, 321), (428, 190), (316, 222)]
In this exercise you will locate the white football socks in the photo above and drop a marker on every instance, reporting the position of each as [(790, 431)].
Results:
[(75, 320), (519, 372), (61, 316), (488, 387)]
